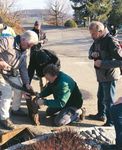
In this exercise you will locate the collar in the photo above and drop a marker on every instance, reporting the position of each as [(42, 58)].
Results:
[(17, 45)]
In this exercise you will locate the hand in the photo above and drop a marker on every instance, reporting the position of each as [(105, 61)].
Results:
[(29, 88), (95, 54), (119, 101), (4, 65), (40, 102), (98, 63), (27, 95)]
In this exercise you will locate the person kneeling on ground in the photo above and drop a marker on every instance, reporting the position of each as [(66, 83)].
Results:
[(67, 101)]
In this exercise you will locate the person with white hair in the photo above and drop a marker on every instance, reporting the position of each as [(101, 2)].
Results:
[(104, 47), (12, 61)]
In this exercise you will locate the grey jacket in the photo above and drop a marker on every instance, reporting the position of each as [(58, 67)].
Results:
[(108, 49), (12, 54)]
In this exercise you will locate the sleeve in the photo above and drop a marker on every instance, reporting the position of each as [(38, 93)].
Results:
[(63, 93), (111, 64), (115, 49), (31, 68), (46, 91), (23, 71), (91, 50)]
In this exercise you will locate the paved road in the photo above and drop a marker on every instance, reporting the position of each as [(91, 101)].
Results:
[(72, 48)]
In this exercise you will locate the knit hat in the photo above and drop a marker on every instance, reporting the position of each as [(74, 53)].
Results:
[(36, 23)]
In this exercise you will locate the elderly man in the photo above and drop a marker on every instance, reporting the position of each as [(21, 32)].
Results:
[(13, 58), (67, 102), (104, 47)]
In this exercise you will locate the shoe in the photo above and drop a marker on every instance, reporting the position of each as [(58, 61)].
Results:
[(7, 124), (108, 147), (82, 116), (108, 124), (18, 112), (97, 117)]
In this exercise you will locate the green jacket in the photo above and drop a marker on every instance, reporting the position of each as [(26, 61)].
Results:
[(65, 92)]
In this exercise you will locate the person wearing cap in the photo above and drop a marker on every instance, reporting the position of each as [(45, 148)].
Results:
[(33, 54), (17, 94), (6, 30), (13, 59), (41, 35)]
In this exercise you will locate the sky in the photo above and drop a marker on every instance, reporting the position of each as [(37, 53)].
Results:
[(32, 4)]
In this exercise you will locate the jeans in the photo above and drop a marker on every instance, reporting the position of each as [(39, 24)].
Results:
[(106, 98), (64, 116), (116, 114)]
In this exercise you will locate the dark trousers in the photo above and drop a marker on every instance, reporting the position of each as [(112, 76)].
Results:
[(106, 98), (116, 113)]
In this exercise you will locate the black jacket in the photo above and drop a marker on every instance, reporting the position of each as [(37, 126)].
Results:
[(108, 49), (39, 60)]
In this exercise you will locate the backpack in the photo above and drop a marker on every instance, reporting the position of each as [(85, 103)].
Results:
[(45, 57)]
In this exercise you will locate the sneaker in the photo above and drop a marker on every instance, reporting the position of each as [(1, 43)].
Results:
[(108, 124), (108, 147), (7, 124), (18, 112), (97, 117)]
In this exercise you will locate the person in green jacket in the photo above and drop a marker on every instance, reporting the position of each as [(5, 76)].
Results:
[(67, 101)]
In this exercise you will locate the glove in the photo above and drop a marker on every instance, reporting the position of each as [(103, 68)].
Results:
[(40, 101)]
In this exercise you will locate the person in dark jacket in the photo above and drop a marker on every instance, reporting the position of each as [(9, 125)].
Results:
[(67, 100), (104, 47), (41, 35), (116, 109), (39, 60)]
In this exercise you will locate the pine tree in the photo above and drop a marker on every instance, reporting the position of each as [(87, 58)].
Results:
[(99, 10), (116, 13)]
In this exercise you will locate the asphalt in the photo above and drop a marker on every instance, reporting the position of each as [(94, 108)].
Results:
[(71, 45)]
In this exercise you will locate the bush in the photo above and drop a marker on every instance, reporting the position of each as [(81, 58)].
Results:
[(70, 24)]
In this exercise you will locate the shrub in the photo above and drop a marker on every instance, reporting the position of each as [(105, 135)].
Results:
[(70, 24)]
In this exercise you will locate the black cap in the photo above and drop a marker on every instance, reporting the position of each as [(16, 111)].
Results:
[(36, 23)]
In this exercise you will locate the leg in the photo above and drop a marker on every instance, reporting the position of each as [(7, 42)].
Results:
[(41, 83), (52, 111), (116, 113), (101, 104), (109, 98), (67, 115), (5, 101), (17, 95)]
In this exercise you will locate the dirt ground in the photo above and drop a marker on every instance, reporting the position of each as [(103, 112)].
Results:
[(72, 47)]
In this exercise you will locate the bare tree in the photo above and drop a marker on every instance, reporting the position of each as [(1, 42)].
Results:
[(7, 13), (58, 10)]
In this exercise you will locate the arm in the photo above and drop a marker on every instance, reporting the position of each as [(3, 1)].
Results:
[(115, 49), (63, 93), (107, 64), (91, 50), (31, 68), (46, 91), (111, 64), (23, 71)]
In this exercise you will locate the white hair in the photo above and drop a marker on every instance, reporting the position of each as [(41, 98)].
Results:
[(96, 25), (30, 37)]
